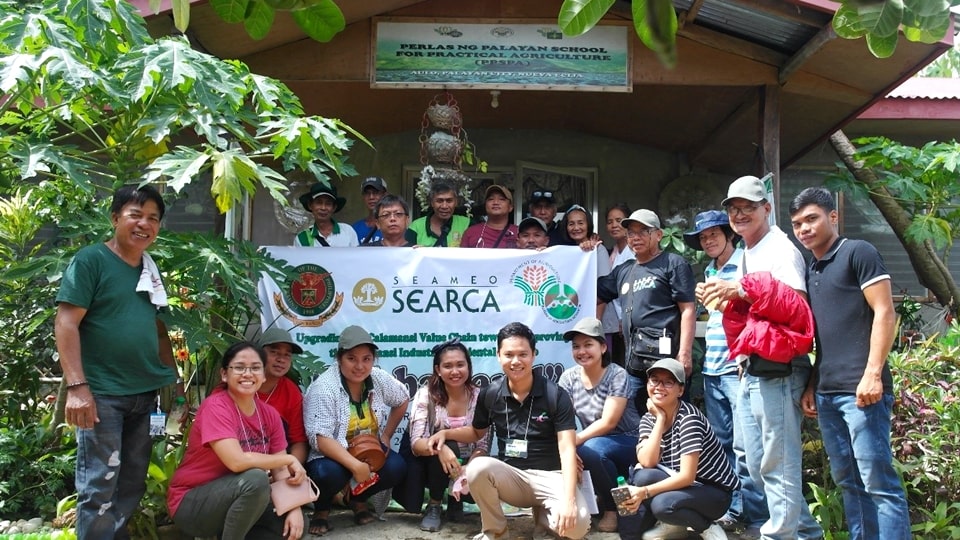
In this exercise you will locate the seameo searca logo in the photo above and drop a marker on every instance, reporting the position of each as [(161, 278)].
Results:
[(311, 299), (542, 287)]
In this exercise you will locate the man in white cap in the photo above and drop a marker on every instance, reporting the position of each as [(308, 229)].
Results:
[(495, 231), (373, 189), (768, 408), (656, 292)]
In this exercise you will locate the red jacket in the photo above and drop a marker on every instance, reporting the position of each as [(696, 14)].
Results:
[(777, 326)]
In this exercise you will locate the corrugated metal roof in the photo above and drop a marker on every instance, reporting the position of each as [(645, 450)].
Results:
[(927, 88), (782, 34)]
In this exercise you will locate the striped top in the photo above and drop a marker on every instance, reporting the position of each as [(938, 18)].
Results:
[(692, 433), (716, 360), (588, 404)]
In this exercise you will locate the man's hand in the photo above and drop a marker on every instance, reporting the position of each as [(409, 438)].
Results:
[(567, 517), (869, 390), (81, 409), (686, 359), (719, 291), (808, 403)]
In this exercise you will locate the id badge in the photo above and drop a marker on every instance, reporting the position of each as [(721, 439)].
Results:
[(158, 424), (516, 448), (665, 345)]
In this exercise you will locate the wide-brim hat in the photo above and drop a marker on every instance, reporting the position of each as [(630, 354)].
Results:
[(643, 217), (704, 221), (322, 190), (275, 335)]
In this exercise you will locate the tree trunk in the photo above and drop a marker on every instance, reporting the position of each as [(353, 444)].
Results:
[(931, 270)]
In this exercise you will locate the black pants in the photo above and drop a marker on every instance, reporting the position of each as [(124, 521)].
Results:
[(695, 506)]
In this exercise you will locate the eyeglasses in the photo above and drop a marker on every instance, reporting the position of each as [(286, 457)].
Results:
[(631, 233), (240, 370), (541, 195), (745, 210), (666, 383), (394, 215)]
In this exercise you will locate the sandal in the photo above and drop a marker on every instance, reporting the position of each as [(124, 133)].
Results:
[(319, 526), (361, 515)]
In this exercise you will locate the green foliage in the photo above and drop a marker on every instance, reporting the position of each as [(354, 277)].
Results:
[(655, 22), (922, 180), (880, 21), (93, 99), (164, 458), (319, 19), (36, 469), (946, 66), (926, 432), (827, 509)]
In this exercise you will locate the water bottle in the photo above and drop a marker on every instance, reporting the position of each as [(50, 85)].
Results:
[(711, 276), (620, 494)]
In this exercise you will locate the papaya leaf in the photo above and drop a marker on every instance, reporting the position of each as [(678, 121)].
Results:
[(928, 28), (847, 23), (881, 18), (578, 16)]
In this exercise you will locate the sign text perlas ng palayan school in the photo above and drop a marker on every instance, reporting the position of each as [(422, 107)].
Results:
[(411, 299), (505, 55)]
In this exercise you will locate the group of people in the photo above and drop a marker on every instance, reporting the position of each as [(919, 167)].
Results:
[(388, 223), (615, 413)]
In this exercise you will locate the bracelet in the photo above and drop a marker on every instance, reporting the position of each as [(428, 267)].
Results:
[(76, 384)]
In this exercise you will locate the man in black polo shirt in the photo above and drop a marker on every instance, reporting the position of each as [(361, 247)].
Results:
[(536, 432), (851, 390)]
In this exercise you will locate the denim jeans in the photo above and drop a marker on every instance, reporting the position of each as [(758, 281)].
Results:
[(857, 441), (720, 394), (607, 457), (112, 461), (232, 506), (330, 476), (693, 506), (770, 416), (637, 388)]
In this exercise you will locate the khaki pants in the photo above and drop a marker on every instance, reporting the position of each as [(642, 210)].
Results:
[(492, 481)]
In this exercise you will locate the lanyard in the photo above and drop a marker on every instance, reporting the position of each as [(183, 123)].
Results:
[(506, 411)]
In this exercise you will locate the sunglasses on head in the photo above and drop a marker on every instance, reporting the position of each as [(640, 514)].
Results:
[(542, 194)]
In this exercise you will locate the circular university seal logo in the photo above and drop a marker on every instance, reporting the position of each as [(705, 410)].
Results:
[(312, 292), (369, 295)]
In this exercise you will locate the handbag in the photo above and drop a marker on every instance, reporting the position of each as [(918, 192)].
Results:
[(367, 448), (768, 369), (286, 496), (643, 350)]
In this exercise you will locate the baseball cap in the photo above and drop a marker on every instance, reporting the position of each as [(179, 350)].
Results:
[(542, 195), (278, 335), (375, 182), (642, 216), (531, 221), (669, 364), (746, 187), (502, 189), (588, 326), (704, 221), (353, 336)]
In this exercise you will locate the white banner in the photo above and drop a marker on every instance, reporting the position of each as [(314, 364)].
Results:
[(412, 299)]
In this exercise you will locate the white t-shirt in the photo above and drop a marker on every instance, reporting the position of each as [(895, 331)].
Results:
[(775, 253)]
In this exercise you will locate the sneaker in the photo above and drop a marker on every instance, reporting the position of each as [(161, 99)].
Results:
[(666, 531), (714, 532), (454, 510), (431, 518), (752, 533), (727, 523)]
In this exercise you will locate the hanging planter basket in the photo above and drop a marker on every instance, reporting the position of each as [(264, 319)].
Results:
[(444, 116), (443, 148)]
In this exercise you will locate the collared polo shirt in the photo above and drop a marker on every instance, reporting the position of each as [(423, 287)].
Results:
[(530, 420)]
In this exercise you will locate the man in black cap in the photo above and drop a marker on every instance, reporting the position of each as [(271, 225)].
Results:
[(543, 206), (323, 202), (532, 234), (373, 189)]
